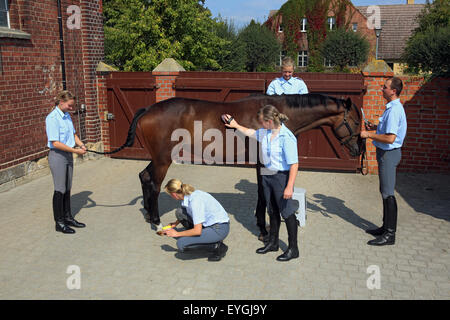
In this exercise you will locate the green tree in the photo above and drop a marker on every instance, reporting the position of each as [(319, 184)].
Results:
[(234, 56), (261, 47), (345, 48), (428, 48), (139, 34)]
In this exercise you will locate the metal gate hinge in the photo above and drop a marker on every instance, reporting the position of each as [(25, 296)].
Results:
[(108, 116)]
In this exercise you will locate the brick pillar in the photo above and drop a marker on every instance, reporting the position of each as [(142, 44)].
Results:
[(166, 73), (93, 53), (102, 103), (165, 81)]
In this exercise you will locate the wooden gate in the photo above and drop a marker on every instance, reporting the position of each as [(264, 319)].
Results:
[(318, 148), (127, 93)]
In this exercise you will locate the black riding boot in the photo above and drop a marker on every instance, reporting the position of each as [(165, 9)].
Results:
[(382, 229), (272, 244), (68, 218), (58, 213), (218, 249), (292, 250), (388, 237)]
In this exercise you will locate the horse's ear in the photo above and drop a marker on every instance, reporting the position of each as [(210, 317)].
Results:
[(348, 103)]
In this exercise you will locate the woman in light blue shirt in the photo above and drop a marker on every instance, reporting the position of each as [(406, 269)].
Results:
[(206, 221), (62, 139), (280, 159), (287, 84)]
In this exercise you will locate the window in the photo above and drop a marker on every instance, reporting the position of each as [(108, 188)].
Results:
[(354, 27), (331, 23), (282, 55), (303, 25), (302, 59), (327, 63), (280, 28), (4, 15)]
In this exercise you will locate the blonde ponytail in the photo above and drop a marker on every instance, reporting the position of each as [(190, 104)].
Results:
[(269, 112), (176, 186)]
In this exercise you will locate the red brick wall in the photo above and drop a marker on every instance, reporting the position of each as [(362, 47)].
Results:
[(426, 148), (31, 75), (165, 81)]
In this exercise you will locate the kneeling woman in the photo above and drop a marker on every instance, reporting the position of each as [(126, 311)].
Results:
[(206, 221)]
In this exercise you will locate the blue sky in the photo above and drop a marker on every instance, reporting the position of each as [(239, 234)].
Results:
[(242, 11)]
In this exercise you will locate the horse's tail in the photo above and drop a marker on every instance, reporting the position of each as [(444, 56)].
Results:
[(131, 133)]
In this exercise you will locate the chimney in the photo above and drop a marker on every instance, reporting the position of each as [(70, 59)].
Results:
[(409, 1)]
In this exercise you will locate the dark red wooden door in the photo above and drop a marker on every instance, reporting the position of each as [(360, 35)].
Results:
[(127, 93), (318, 148)]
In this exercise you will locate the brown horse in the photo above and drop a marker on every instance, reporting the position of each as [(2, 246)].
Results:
[(163, 123)]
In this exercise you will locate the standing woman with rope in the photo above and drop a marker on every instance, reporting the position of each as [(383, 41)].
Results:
[(62, 139), (280, 158)]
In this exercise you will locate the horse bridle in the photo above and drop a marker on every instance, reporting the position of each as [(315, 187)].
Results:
[(345, 123), (352, 134)]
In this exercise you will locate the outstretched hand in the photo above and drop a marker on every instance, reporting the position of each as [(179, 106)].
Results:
[(229, 121)]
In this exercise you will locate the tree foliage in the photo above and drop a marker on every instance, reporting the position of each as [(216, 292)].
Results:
[(428, 49), (345, 48), (261, 47), (139, 34)]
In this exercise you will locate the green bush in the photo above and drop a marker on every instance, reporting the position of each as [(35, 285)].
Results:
[(428, 49), (345, 48)]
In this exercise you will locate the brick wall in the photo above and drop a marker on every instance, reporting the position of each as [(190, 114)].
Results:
[(426, 148), (165, 81), (31, 75)]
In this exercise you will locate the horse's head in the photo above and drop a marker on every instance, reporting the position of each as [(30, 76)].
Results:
[(347, 128)]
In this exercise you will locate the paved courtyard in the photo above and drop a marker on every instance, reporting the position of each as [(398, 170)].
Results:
[(119, 256)]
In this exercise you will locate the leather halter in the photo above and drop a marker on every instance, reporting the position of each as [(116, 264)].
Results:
[(352, 134), (345, 123)]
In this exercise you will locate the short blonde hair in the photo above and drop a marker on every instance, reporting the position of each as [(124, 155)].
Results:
[(287, 62), (176, 186), (64, 96), (269, 112)]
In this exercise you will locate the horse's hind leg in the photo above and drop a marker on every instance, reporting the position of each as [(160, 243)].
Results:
[(146, 184), (151, 179)]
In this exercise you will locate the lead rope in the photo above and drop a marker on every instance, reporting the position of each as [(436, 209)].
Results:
[(362, 159)]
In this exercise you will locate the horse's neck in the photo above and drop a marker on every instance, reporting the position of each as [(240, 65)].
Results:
[(304, 119)]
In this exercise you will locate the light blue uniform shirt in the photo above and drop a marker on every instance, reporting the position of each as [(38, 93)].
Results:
[(280, 86), (59, 127), (393, 121), (204, 208), (280, 153)]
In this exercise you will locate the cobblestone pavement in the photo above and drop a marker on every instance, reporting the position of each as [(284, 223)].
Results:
[(119, 256)]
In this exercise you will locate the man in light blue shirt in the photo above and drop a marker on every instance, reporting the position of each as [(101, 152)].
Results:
[(388, 139), (287, 84)]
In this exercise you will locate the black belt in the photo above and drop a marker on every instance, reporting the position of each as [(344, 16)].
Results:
[(390, 149)]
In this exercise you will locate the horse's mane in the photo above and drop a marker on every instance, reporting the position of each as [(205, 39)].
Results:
[(310, 100)]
